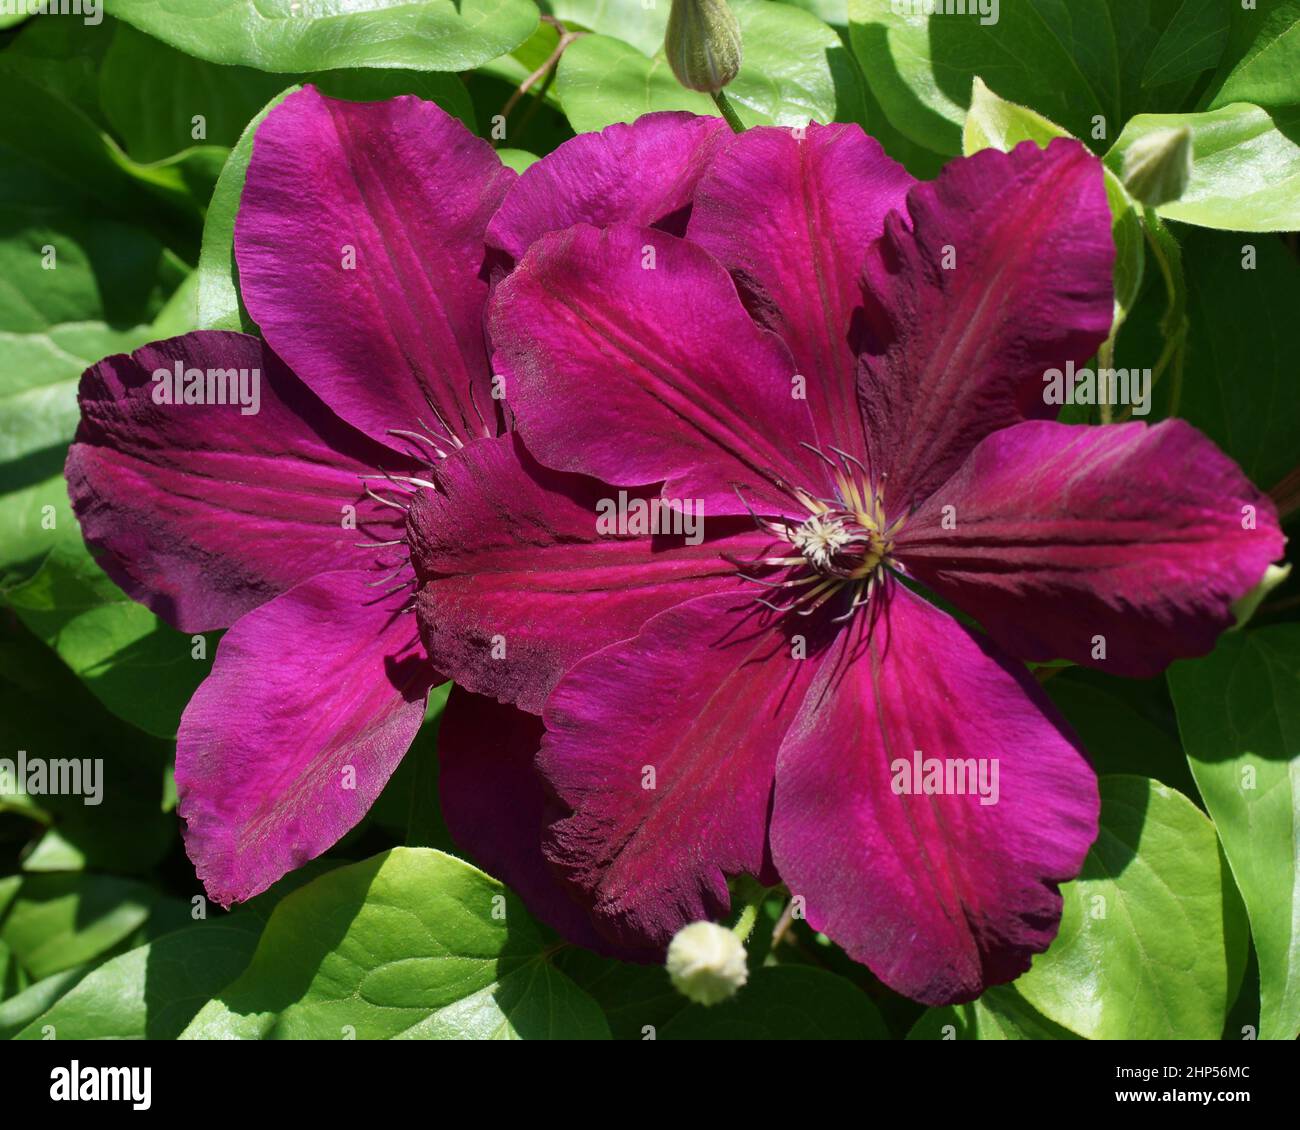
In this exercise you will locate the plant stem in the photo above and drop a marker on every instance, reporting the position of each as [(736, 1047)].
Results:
[(1105, 360), (753, 893), (544, 73), (728, 112)]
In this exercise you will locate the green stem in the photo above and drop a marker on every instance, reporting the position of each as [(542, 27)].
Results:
[(1174, 323), (1106, 360), (753, 893), (728, 112)]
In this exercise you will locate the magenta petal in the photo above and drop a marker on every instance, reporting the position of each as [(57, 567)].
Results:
[(202, 512), (517, 582), (792, 219), (1004, 274), (663, 747), (311, 703), (643, 173), (1068, 539), (940, 895), (628, 356), (495, 805), (360, 249)]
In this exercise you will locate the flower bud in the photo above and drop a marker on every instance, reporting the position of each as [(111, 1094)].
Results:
[(1157, 167), (706, 962), (703, 44)]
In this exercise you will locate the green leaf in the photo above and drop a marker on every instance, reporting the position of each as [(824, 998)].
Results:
[(637, 1000), (785, 1002), (1126, 725), (10, 885), (1239, 713), (1192, 43), (48, 713), (63, 55), (993, 122), (219, 304), (153, 991), (1245, 168), (407, 809), (35, 517), (59, 921), (137, 666), (24, 1007), (997, 123), (632, 21), (151, 93), (795, 70), (409, 944), (447, 90), (1263, 56), (518, 159), (72, 289), (528, 57), (1152, 939), (1000, 1014), (833, 12), (1073, 63), (293, 36), (1239, 384), (67, 161)]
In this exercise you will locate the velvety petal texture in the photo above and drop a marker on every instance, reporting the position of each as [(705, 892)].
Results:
[(629, 357), (1121, 547), (643, 173), (360, 249), (524, 571), (310, 705), (1000, 271), (663, 748), (791, 215), (940, 894), (203, 512), (495, 805)]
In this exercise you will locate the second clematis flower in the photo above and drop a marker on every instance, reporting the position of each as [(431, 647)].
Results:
[(843, 369)]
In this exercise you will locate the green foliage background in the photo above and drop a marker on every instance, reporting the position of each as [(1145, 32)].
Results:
[(100, 933)]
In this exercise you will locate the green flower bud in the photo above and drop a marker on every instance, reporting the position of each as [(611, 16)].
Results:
[(706, 962), (703, 44), (1157, 167)]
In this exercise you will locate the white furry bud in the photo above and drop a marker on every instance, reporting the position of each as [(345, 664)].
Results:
[(706, 962)]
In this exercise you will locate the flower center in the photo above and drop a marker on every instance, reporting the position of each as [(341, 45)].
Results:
[(840, 549), (839, 544)]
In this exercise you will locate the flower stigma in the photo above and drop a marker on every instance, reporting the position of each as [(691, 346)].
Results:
[(843, 546)]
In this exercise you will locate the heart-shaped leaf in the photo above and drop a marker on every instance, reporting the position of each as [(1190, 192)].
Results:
[(411, 944), (1153, 938)]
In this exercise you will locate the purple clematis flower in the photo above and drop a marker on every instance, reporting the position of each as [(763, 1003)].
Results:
[(845, 369), (361, 243)]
